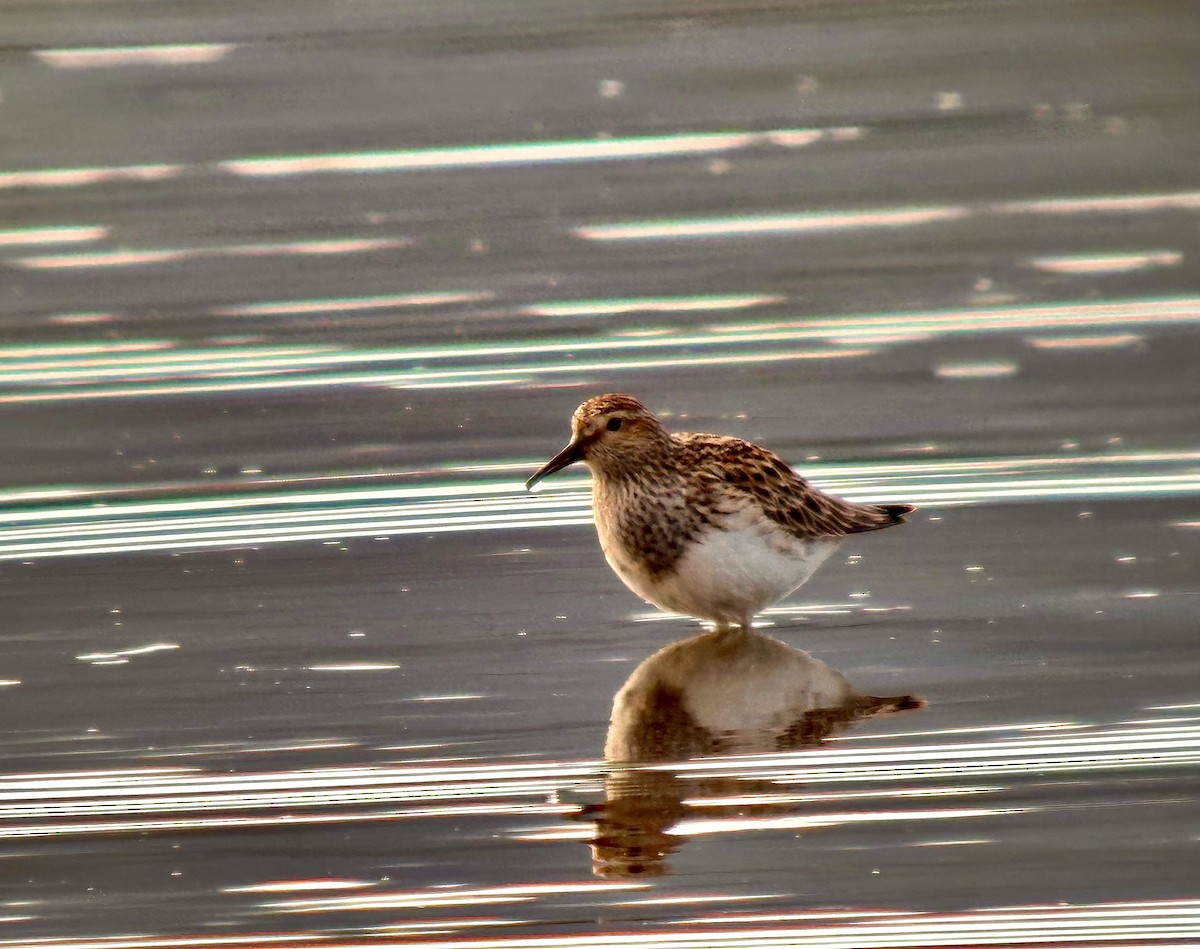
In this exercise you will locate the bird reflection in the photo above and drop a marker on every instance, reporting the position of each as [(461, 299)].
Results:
[(722, 692)]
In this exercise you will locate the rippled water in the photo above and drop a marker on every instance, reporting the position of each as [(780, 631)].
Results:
[(296, 296)]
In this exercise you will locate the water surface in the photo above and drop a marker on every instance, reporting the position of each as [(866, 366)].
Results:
[(296, 297)]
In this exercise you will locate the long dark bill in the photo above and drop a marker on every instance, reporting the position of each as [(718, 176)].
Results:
[(568, 456)]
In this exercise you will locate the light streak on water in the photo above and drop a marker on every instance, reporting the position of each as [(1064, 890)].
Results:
[(450, 896), (81, 319), (694, 899), (57, 351), (76, 177), (725, 825), (498, 155), (1106, 263), (1112, 925), (159, 942), (193, 523), (189, 54), (789, 610), (354, 667), (1106, 341), (229, 822), (295, 886), (149, 359), (744, 800), (97, 657), (783, 224), (1130, 747), (1073, 316), (252, 748), (653, 305), (166, 800), (224, 369), (815, 791), (807, 915), (521, 153), (106, 258), (119, 258), (768, 224), (350, 304), (214, 364), (79, 526), (1105, 204), (976, 370), (52, 235)]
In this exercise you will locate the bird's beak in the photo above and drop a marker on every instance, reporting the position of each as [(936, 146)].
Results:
[(568, 456)]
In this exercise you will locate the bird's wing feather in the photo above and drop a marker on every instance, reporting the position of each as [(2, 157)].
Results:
[(744, 472)]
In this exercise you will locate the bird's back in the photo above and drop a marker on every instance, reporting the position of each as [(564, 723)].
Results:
[(741, 471)]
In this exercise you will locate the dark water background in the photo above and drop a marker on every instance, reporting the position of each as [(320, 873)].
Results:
[(294, 296)]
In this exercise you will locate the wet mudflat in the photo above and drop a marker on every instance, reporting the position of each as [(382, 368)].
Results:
[(294, 299)]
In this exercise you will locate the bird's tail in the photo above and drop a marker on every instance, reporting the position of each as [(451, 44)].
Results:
[(874, 517), (869, 705), (897, 512)]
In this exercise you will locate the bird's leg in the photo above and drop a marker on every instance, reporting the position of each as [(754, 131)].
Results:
[(730, 628), (723, 626)]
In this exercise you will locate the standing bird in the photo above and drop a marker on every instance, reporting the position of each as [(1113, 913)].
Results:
[(707, 525)]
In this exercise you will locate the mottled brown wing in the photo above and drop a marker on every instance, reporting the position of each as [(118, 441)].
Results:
[(784, 496)]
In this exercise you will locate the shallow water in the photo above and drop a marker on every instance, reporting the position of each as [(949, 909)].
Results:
[(296, 297)]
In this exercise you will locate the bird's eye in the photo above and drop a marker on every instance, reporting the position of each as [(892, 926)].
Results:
[(613, 424)]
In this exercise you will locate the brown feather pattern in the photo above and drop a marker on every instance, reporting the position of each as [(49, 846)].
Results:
[(784, 496), (661, 506)]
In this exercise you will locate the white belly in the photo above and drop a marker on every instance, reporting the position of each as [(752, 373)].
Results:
[(727, 576)]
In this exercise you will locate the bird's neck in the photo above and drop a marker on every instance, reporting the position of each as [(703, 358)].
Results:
[(643, 464)]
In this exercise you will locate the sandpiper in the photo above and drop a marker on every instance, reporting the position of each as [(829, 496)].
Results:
[(706, 525)]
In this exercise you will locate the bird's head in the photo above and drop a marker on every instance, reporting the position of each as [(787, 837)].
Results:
[(609, 433)]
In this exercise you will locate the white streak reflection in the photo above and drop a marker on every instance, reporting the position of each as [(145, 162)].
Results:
[(1105, 204), (1128, 748), (520, 153), (226, 369), (71, 523), (124, 654), (1111, 925), (449, 896), (1000, 369), (842, 784), (76, 177), (114, 258), (1106, 263), (747, 225), (98, 57), (653, 305), (97, 259), (354, 667), (74, 350), (770, 224), (299, 886), (78, 803), (1105, 341), (349, 304), (725, 825), (52, 235)]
